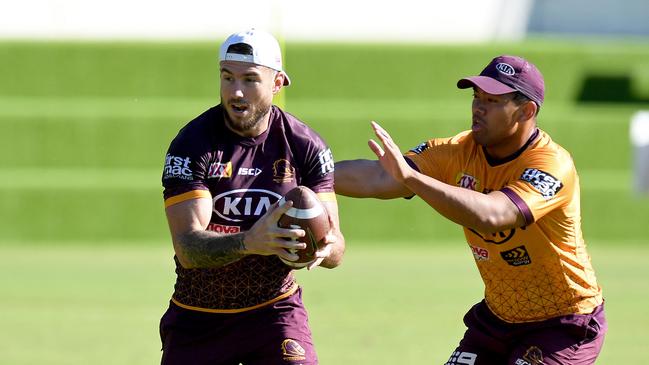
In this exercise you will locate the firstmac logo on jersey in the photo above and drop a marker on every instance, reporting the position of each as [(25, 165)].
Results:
[(177, 167), (545, 183)]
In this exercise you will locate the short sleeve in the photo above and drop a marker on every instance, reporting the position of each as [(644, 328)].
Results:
[(184, 171), (318, 167), (432, 157)]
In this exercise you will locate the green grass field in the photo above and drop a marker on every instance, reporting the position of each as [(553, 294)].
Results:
[(403, 304), (87, 267)]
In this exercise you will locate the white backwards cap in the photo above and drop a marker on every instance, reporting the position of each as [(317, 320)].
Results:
[(265, 50)]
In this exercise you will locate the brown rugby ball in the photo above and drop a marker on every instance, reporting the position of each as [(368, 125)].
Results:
[(309, 214)]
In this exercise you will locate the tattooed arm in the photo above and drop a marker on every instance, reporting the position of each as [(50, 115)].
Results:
[(197, 248)]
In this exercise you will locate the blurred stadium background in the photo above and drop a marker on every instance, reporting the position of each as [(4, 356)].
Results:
[(91, 94)]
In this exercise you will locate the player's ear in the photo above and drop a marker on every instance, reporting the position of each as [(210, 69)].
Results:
[(527, 110), (278, 82)]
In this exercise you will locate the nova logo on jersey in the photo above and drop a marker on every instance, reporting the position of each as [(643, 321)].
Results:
[(420, 148), (545, 183), (177, 167), (326, 161), (223, 229), (467, 181), (479, 253), (242, 204), (218, 170), (517, 256)]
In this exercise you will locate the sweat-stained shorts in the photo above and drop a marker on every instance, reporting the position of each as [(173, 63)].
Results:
[(567, 340), (277, 334)]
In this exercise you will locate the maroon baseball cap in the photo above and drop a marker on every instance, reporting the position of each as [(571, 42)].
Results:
[(507, 74)]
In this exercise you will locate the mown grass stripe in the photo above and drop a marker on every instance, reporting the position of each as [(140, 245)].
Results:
[(146, 179), (98, 110)]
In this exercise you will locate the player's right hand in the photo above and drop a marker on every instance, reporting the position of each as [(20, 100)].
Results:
[(266, 238)]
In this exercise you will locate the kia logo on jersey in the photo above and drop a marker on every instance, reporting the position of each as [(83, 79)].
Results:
[(242, 204)]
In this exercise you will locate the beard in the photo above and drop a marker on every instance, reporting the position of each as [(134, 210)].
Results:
[(245, 124)]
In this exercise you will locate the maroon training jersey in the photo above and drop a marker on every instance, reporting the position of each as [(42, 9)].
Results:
[(243, 177)]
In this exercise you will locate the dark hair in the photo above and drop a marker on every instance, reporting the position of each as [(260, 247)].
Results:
[(520, 98), (240, 48)]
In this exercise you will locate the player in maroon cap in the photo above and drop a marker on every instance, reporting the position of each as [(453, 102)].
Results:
[(516, 193), (235, 300)]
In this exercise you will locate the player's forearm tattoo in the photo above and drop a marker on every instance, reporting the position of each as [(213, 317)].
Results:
[(203, 250)]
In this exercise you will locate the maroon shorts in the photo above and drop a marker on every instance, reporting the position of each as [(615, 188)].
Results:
[(566, 340), (275, 334)]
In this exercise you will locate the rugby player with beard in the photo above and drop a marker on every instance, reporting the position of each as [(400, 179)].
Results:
[(234, 300)]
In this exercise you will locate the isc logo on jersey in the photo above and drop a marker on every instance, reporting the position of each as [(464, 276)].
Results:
[(545, 183), (243, 204), (252, 171), (177, 167)]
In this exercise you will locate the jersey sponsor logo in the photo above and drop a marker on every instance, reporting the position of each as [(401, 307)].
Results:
[(506, 69), (242, 204), (545, 183), (419, 148), (462, 358), (517, 256), (479, 253), (220, 170), (467, 181), (223, 229), (283, 172), (252, 171), (326, 161), (177, 167), (293, 351), (497, 238), (534, 356)]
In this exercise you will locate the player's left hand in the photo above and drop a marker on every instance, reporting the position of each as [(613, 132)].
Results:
[(324, 252), (389, 156)]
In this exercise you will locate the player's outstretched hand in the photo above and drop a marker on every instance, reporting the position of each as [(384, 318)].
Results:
[(266, 238), (389, 156)]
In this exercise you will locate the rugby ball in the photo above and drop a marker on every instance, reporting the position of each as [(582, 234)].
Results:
[(309, 214)]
